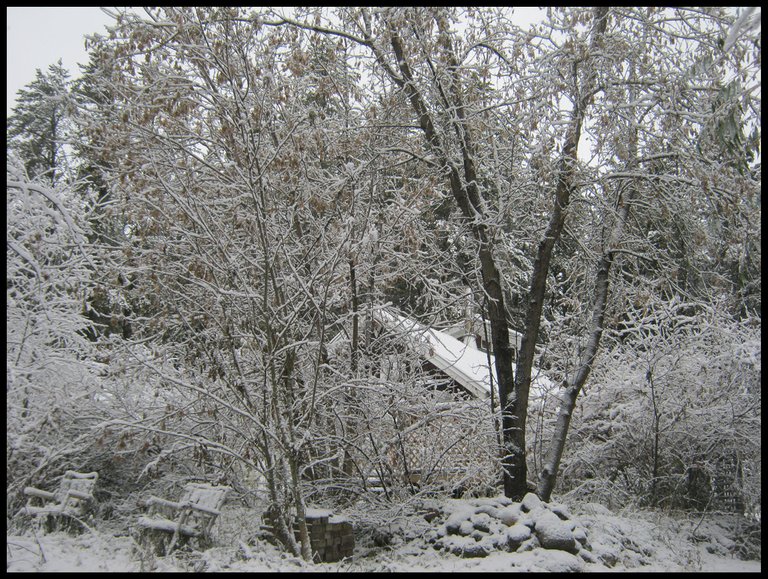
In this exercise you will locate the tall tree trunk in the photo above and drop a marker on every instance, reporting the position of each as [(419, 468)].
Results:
[(355, 346), (548, 475), (518, 407), (467, 195), (347, 466), (656, 428), (516, 412)]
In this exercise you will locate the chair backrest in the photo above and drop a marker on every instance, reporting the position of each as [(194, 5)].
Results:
[(75, 481), (205, 495), (80, 483)]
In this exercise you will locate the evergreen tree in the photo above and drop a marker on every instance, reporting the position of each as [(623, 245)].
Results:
[(36, 128)]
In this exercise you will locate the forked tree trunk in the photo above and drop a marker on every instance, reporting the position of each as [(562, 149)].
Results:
[(568, 161), (548, 475)]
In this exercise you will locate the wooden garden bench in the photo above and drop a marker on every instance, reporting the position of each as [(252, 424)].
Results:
[(167, 524), (72, 501)]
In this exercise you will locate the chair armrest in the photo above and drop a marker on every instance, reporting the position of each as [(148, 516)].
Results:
[(33, 492), (157, 501), (81, 475), (80, 495), (202, 509)]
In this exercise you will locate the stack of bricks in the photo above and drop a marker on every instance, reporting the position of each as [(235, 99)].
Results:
[(331, 538)]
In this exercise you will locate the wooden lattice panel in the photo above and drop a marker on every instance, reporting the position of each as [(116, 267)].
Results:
[(452, 449)]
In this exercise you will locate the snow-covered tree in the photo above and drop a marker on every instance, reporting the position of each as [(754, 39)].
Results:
[(251, 227), (51, 373), (38, 124), (672, 418), (658, 115)]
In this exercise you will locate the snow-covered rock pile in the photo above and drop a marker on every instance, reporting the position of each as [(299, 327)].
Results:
[(476, 528), (615, 542)]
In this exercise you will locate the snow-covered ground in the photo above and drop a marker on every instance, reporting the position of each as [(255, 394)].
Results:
[(403, 540)]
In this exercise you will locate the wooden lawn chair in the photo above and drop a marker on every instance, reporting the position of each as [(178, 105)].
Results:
[(169, 524), (72, 501)]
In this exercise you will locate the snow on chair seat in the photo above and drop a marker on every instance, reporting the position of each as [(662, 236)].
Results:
[(167, 524), (71, 501)]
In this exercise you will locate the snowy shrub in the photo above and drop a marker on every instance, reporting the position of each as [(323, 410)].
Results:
[(673, 420), (50, 374)]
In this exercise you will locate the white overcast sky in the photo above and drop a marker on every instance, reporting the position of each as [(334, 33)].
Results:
[(38, 37)]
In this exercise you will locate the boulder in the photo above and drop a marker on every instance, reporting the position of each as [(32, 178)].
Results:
[(554, 533), (481, 522), (456, 519), (490, 510), (530, 503), (580, 534), (470, 551), (466, 528), (509, 515), (530, 545), (463, 546), (560, 511), (516, 535)]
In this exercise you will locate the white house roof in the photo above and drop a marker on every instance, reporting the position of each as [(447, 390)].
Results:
[(470, 367), (481, 328)]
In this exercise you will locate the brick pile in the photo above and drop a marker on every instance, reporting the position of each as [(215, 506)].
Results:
[(331, 537)]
